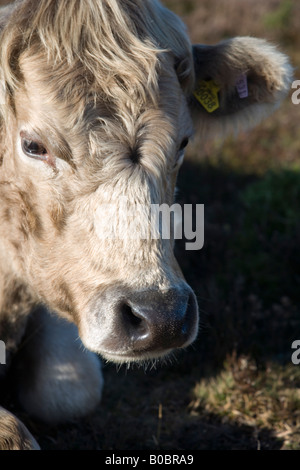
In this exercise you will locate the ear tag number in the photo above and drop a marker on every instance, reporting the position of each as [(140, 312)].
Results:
[(242, 86), (207, 95)]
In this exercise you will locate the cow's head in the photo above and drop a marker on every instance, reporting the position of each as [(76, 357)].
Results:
[(98, 105)]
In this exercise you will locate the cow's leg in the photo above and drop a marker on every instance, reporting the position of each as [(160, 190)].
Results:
[(57, 378), (13, 434)]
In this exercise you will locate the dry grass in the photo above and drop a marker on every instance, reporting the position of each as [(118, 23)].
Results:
[(259, 399)]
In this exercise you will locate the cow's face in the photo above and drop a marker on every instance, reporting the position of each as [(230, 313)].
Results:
[(91, 144), (87, 173)]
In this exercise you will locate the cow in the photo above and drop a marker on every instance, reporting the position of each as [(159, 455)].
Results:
[(99, 99)]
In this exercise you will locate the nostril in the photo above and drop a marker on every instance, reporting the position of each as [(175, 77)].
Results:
[(133, 323), (130, 317), (156, 321)]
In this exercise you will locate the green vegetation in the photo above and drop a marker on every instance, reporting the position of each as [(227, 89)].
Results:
[(266, 246), (280, 19)]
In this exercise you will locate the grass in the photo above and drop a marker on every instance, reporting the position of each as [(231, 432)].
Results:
[(260, 399), (268, 235), (280, 19), (236, 388)]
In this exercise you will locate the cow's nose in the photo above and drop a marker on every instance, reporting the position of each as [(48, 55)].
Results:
[(155, 321)]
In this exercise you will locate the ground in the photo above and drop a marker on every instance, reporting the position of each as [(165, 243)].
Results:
[(236, 387)]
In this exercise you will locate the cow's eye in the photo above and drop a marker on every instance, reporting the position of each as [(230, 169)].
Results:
[(180, 155), (34, 149), (183, 144)]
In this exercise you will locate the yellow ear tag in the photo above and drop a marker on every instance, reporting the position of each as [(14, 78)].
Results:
[(207, 94)]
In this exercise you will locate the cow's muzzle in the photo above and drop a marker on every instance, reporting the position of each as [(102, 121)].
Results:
[(148, 324)]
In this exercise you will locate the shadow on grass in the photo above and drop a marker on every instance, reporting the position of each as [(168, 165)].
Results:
[(154, 411), (206, 433), (247, 276)]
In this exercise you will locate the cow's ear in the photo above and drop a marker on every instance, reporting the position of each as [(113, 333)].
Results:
[(238, 82)]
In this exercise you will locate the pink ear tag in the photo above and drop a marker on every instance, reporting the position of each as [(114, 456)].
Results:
[(242, 86)]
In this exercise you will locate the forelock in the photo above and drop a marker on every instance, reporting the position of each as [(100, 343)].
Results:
[(114, 46)]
